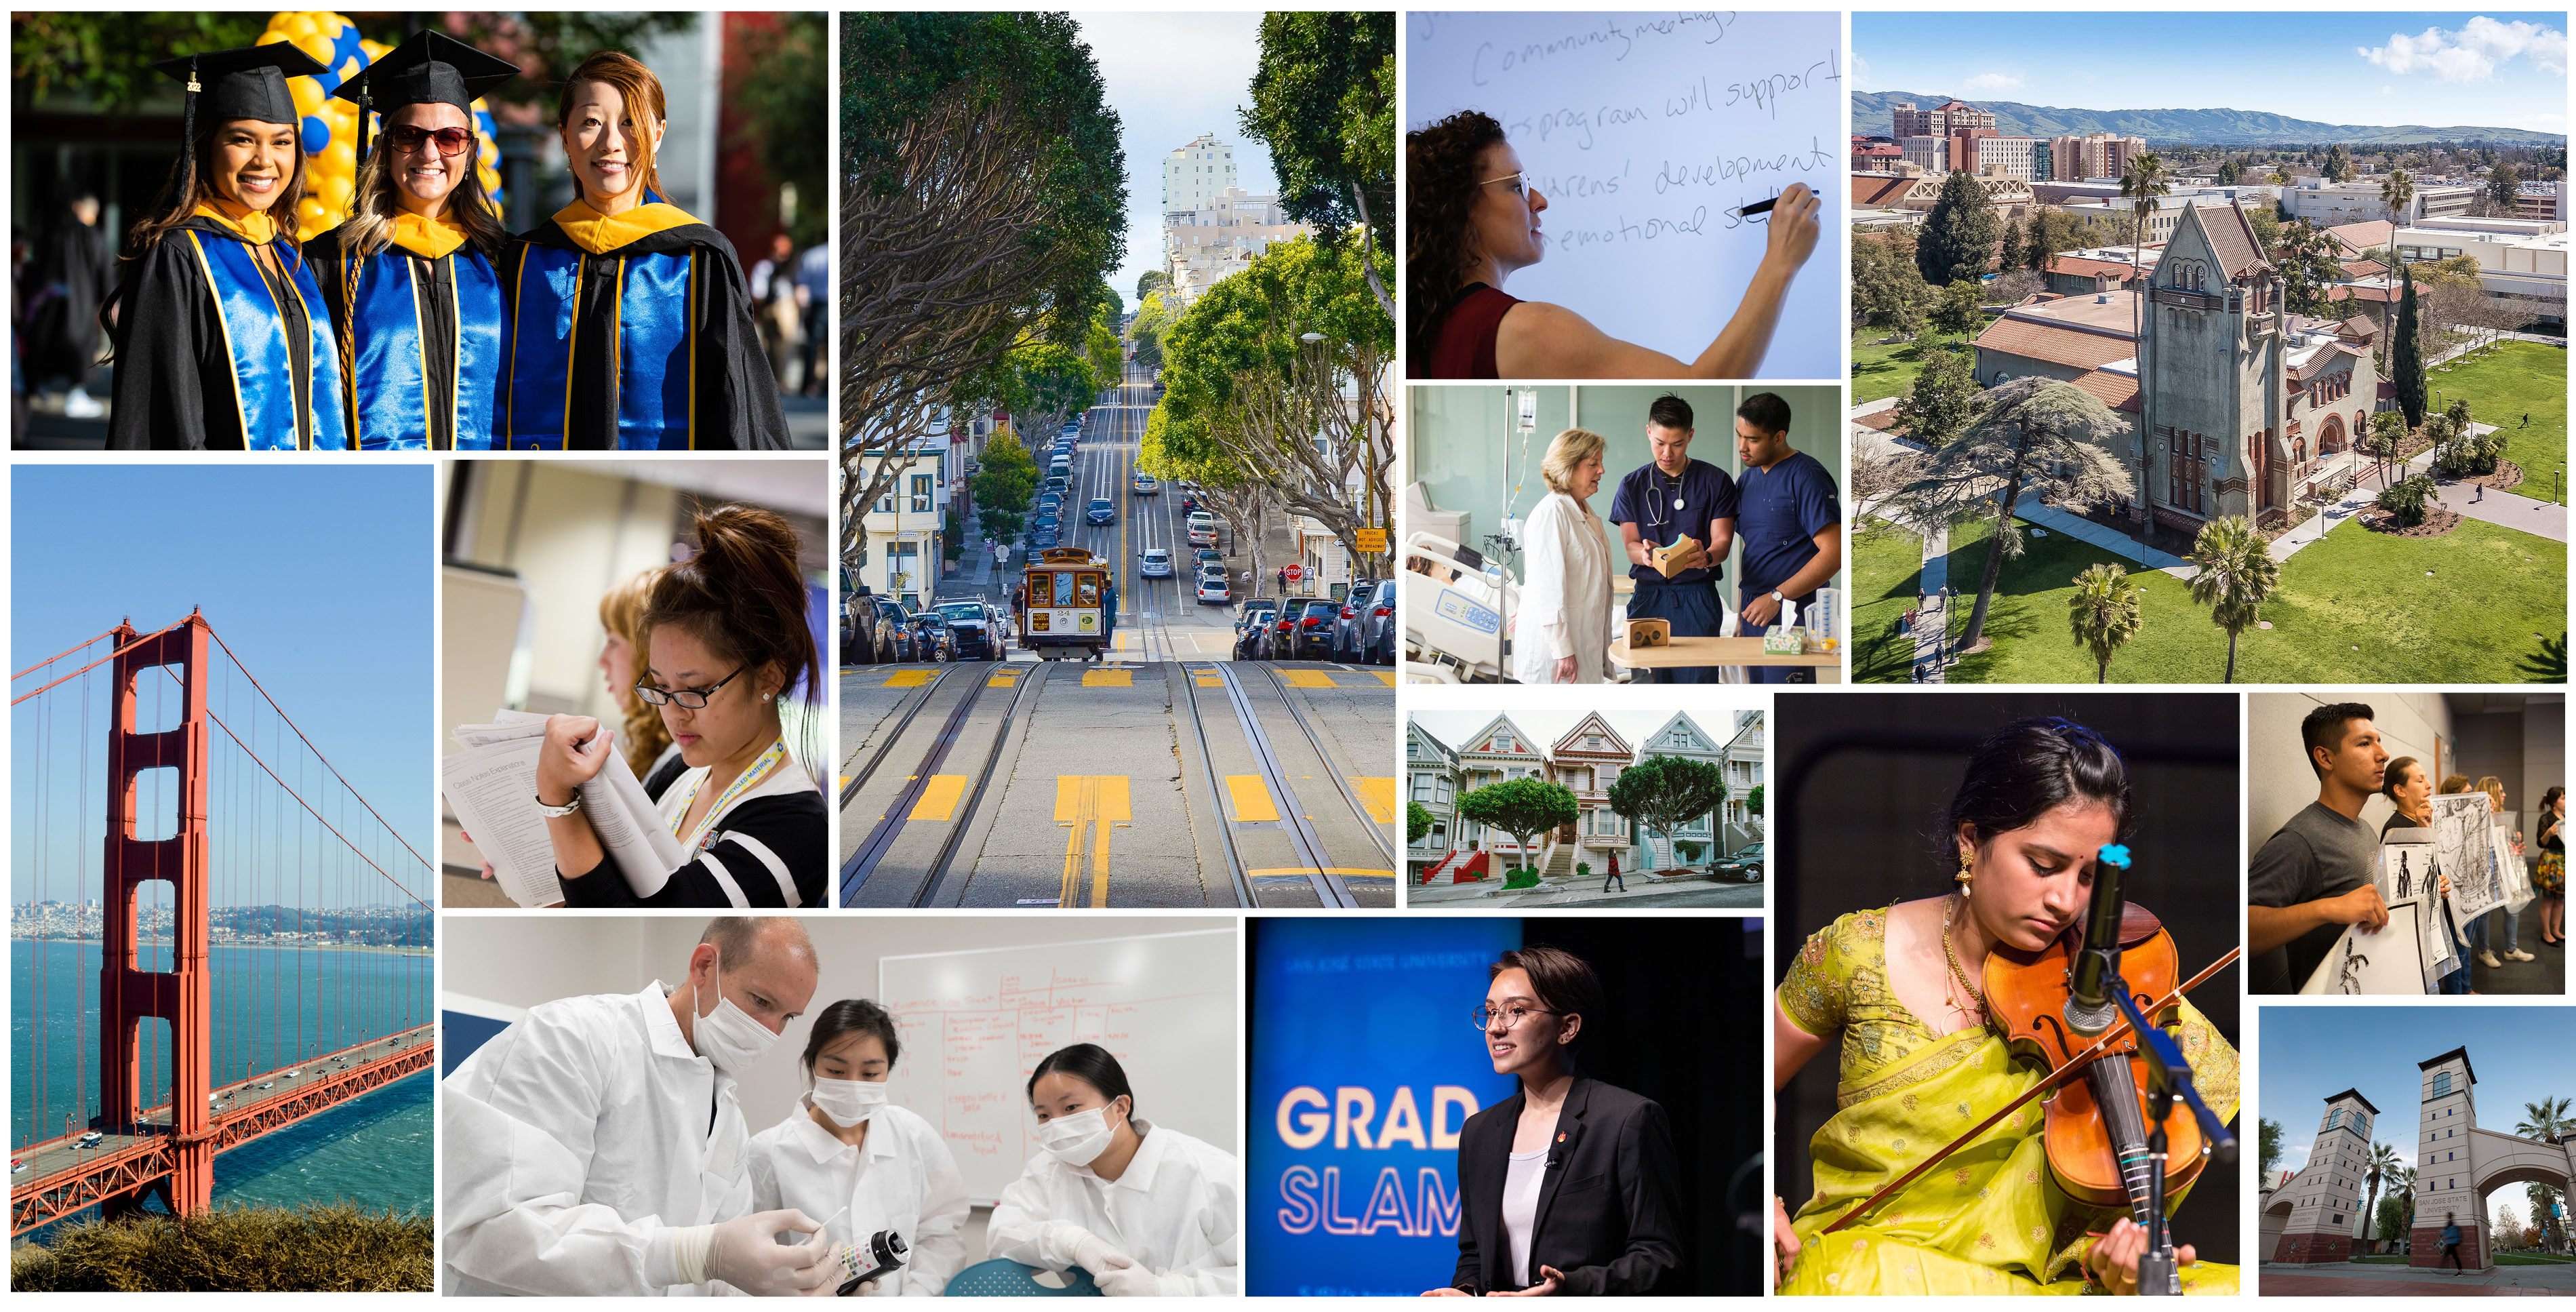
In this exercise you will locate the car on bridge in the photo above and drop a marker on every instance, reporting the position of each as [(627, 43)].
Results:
[(94, 1138), (1146, 485), (1100, 511)]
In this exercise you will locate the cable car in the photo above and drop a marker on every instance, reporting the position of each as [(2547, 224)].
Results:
[(1062, 610)]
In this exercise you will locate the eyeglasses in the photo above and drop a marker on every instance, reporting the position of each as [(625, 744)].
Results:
[(409, 140), (1510, 1016), (1518, 181), (693, 698)]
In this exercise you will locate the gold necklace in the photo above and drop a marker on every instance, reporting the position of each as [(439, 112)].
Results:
[(1948, 909)]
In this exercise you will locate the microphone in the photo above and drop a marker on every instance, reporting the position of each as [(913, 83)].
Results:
[(2089, 1008)]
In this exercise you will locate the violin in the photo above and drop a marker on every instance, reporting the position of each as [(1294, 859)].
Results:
[(2096, 1131)]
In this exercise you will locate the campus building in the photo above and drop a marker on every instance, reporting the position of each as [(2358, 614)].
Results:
[(2327, 204), (2315, 1215), (1940, 120), (2092, 155)]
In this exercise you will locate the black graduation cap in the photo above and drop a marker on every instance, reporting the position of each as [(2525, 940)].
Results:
[(246, 83), (432, 68), (249, 82)]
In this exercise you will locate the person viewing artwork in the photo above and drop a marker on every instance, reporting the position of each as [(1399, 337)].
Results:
[(1473, 220)]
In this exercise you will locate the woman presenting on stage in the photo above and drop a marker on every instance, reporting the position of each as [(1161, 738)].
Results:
[(630, 322), (1566, 1187), (1897, 992)]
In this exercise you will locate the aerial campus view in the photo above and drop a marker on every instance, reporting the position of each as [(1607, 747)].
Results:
[(2266, 386)]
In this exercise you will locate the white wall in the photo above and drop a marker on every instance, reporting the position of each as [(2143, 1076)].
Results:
[(2279, 780)]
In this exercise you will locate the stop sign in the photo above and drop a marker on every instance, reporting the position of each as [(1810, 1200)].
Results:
[(1296, 572)]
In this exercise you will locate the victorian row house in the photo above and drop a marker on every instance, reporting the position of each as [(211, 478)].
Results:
[(1587, 760)]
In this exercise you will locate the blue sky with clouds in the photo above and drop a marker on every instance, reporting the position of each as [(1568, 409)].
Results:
[(2314, 1052), (1172, 77), (2377, 69)]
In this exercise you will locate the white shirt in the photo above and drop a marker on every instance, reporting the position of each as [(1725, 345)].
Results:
[(1520, 1208), (901, 1179), (575, 1141), (1565, 593), (1173, 1210)]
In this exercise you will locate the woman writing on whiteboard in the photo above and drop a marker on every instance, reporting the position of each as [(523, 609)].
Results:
[(845, 1151), (727, 650), (1472, 221), (1144, 1209), (1567, 1186)]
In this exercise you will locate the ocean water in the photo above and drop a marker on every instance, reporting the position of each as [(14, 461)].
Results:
[(273, 1007)]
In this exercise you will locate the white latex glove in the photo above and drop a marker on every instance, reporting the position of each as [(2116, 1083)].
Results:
[(1129, 1282), (1087, 1250), (745, 1253)]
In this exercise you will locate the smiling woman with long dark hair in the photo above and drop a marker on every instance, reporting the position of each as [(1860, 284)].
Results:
[(630, 321), (221, 338), (1897, 990)]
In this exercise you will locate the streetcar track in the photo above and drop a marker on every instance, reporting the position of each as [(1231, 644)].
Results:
[(1294, 823), (863, 862), (1368, 823), (850, 790), (973, 802)]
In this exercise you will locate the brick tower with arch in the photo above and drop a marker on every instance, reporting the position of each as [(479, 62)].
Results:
[(2457, 1164), (2318, 1208)]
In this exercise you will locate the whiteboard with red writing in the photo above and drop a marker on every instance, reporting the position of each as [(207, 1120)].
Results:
[(974, 1024)]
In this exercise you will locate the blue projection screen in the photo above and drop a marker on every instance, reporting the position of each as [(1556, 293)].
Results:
[(1365, 1064)]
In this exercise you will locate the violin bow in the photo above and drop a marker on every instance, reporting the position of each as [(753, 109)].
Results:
[(2059, 1076)]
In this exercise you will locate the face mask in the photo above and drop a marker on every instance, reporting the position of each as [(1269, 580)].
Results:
[(728, 1036), (848, 1102), (1079, 1139)]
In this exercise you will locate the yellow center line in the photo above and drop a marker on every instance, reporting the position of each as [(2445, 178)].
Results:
[(1088, 805)]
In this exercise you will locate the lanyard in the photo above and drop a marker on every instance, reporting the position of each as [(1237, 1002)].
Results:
[(749, 779)]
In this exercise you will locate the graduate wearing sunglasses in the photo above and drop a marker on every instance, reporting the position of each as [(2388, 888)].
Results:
[(409, 279)]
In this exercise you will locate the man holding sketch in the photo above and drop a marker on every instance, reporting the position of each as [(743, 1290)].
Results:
[(2314, 876), (1673, 499)]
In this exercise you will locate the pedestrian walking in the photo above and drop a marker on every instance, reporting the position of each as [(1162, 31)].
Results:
[(1613, 876), (2451, 1243)]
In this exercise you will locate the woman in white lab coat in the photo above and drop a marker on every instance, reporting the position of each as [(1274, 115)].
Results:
[(1144, 1209), (846, 1152), (1562, 634)]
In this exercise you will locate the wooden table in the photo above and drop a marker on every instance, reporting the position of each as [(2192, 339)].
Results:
[(1688, 653)]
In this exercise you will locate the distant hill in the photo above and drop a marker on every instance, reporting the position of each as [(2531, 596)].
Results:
[(1871, 116)]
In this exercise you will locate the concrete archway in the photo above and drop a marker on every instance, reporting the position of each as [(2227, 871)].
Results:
[(2330, 436), (2274, 1219)]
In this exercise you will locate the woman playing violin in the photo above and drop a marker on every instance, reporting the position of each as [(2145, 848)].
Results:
[(1901, 989)]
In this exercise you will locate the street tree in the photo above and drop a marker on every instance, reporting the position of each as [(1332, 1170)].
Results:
[(1753, 802), (983, 198), (2406, 354), (1663, 793), (2103, 613), (1246, 391), (1417, 822), (2236, 576), (2269, 1149), (1323, 101), (1958, 237), (2010, 254), (2382, 1165), (1957, 309), (1003, 484), (1524, 808), (1149, 281), (2029, 437)]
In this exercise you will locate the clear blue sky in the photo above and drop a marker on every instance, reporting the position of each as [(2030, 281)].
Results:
[(318, 578), (2311, 1053), (1172, 77), (2316, 66)]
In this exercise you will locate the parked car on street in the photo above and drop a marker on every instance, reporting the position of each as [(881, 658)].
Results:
[(1308, 629), (894, 623), (1363, 628), (976, 628), (931, 638), (1214, 590), (1252, 628), (1744, 867), (1202, 529)]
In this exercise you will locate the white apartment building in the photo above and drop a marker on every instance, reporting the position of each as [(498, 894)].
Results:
[(2330, 204), (1216, 238), (903, 533), (1196, 174)]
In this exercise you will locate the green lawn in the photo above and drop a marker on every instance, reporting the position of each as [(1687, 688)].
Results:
[(2503, 384), (1880, 369), (2355, 607)]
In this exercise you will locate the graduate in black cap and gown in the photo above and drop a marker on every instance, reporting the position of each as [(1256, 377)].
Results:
[(221, 337), (630, 321), (410, 279)]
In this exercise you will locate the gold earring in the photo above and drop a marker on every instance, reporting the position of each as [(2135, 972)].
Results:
[(1966, 877)]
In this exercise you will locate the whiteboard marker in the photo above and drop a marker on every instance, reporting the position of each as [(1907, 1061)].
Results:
[(1757, 207)]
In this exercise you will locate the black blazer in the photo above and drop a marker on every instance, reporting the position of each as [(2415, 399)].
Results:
[(1608, 1211)]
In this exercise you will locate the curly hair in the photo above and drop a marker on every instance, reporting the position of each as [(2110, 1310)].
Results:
[(621, 612), (1440, 182)]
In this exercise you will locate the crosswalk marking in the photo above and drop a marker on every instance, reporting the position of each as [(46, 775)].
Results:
[(1251, 798), (939, 797), (1087, 805), (1386, 678), (1002, 681), (1306, 678), (1378, 795), (1211, 681)]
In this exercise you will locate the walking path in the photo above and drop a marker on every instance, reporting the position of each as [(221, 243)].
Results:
[(2366, 1279)]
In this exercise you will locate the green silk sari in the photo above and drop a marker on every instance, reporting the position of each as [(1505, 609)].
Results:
[(1990, 1218)]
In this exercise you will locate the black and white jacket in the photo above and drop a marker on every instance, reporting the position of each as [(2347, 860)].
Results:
[(771, 848)]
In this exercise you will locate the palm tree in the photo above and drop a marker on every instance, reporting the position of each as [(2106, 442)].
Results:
[(2397, 192), (2103, 614), (2141, 183), (2237, 575), (2547, 1120), (2383, 1164)]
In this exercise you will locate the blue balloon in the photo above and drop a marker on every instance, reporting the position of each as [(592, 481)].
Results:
[(317, 135)]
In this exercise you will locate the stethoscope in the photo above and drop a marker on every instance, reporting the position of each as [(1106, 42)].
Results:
[(1655, 501)]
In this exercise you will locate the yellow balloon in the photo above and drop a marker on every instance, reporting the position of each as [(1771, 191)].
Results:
[(271, 37), (307, 94), (311, 210), (316, 45), (295, 26), (375, 49)]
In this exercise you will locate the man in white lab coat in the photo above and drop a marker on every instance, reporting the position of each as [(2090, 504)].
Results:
[(595, 1147)]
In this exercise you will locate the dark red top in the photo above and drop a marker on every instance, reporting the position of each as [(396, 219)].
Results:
[(1463, 346)]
